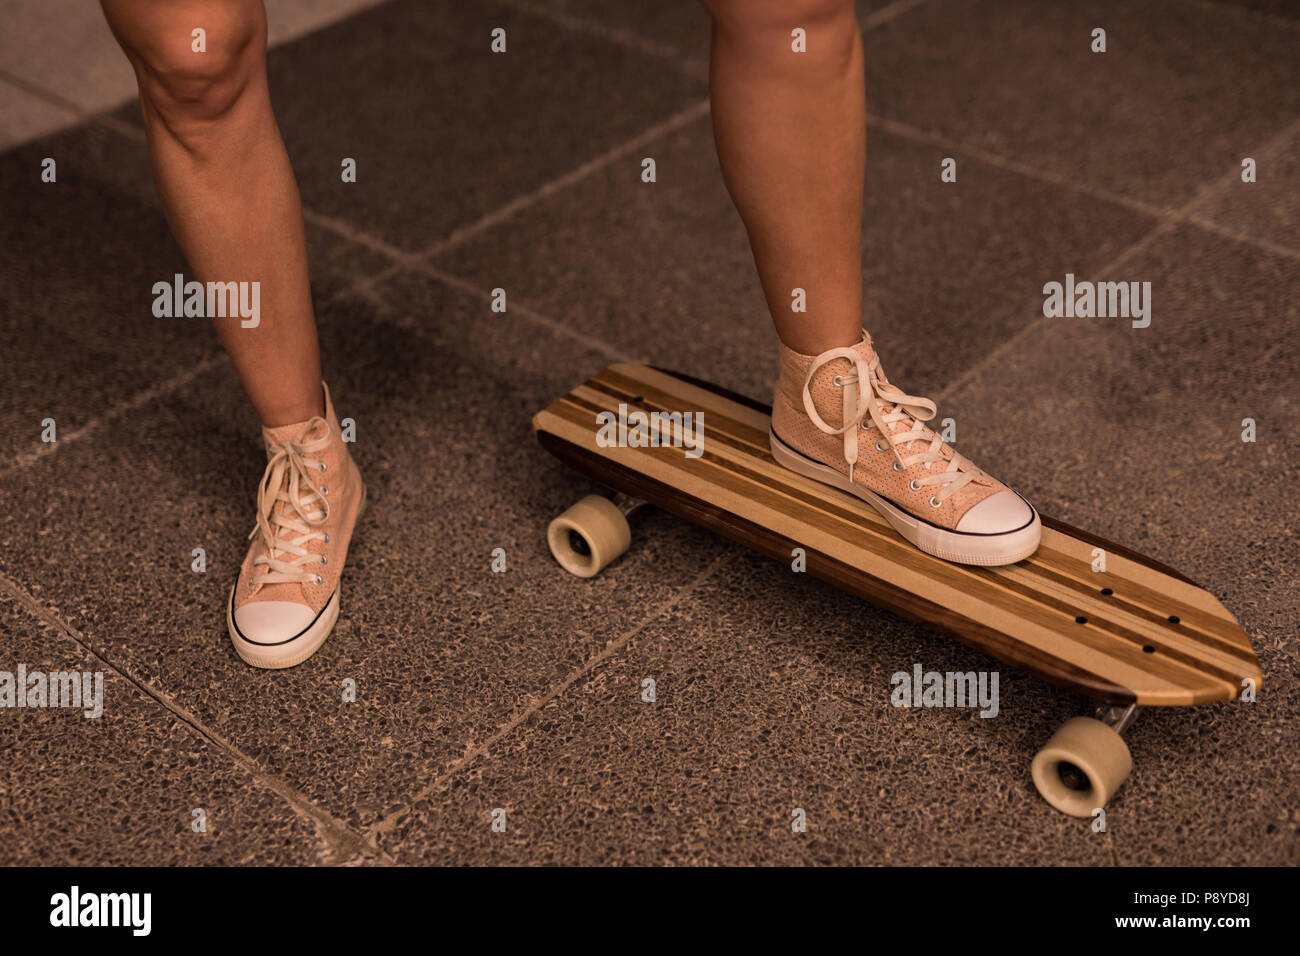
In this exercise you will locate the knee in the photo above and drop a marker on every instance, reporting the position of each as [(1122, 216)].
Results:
[(191, 80), (766, 16)]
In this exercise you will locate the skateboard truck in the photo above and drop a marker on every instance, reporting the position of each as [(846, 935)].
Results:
[(626, 503), (1118, 717)]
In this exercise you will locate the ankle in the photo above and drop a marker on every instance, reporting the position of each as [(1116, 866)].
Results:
[(811, 342), (293, 411)]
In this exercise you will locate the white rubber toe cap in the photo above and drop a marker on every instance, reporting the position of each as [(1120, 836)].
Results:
[(273, 622), (997, 514)]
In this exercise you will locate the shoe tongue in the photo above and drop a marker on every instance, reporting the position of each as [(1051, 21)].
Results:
[(829, 399), (277, 437), (865, 348), (842, 366), (280, 435)]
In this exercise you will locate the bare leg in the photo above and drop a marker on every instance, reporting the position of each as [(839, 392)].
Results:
[(791, 136), (226, 184)]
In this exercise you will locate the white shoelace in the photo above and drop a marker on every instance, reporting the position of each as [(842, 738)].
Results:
[(887, 405), (287, 471)]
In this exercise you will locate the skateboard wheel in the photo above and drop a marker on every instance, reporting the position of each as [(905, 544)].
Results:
[(589, 536), (1082, 766)]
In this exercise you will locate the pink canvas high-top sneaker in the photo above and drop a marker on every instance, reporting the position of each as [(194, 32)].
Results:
[(286, 599), (836, 418)]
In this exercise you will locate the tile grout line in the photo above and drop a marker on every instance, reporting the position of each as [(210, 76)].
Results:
[(1227, 232), (25, 460), (346, 844), (121, 127), (537, 318), (41, 93), (470, 289), (624, 38), (1251, 14), (1182, 214), (915, 134), (1266, 152), (364, 285), (673, 123), (1161, 228), (345, 230), (419, 262), (474, 751), (1164, 225), (887, 13)]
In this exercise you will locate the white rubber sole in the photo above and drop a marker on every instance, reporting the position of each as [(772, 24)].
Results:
[(287, 653), (962, 547)]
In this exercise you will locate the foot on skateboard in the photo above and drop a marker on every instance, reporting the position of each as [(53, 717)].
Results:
[(1080, 612), (837, 419)]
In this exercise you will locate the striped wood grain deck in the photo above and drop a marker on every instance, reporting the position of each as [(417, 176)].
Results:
[(1137, 632)]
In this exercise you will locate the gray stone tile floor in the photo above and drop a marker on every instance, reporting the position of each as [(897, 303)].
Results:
[(520, 691)]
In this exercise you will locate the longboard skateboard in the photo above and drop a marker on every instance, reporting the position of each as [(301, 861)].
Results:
[(1081, 612)]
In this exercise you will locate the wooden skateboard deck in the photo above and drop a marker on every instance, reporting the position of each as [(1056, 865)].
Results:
[(1136, 632)]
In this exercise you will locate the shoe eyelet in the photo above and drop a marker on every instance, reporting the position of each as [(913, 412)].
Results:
[(838, 381), (897, 466), (319, 580), (323, 466), (327, 537), (324, 559), (880, 446), (935, 502), (325, 490), (914, 484)]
